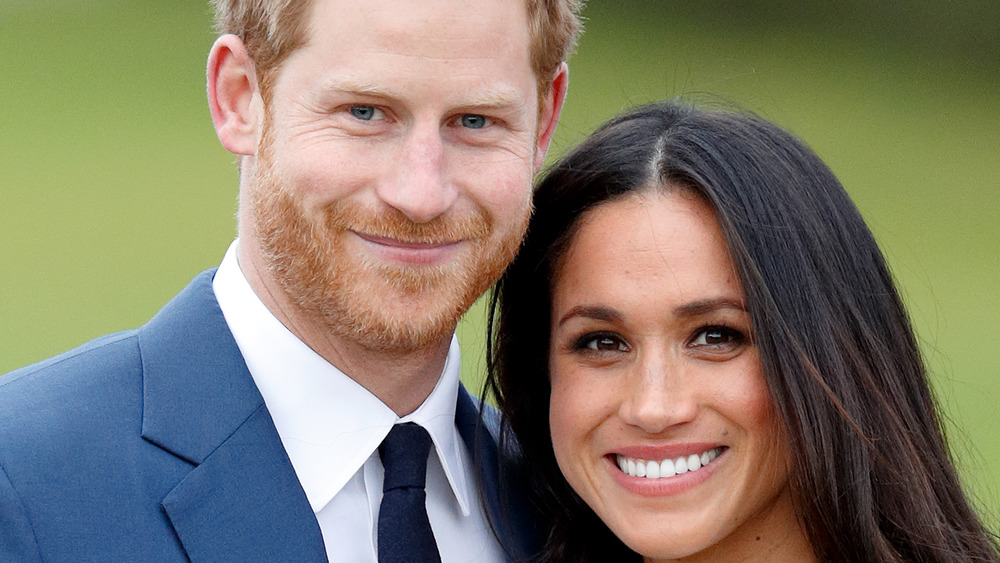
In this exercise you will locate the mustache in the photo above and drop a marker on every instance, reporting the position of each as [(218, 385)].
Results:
[(394, 224)]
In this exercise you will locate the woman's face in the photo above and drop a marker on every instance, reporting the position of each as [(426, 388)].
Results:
[(660, 416)]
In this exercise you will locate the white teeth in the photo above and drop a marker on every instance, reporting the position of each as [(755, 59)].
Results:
[(694, 462), (668, 467), (652, 470), (681, 465)]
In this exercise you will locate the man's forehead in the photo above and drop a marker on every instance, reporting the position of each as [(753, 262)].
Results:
[(424, 27), (410, 53)]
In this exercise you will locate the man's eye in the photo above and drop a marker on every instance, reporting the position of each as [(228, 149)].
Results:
[(473, 121), (367, 113)]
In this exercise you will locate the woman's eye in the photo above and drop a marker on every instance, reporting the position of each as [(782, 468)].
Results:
[(367, 113), (717, 336), (473, 121), (602, 343)]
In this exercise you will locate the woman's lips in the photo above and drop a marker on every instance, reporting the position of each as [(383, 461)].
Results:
[(660, 472)]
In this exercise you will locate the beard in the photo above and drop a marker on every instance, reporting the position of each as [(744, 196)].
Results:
[(380, 305)]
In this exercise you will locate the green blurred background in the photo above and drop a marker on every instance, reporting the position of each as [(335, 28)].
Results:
[(114, 191)]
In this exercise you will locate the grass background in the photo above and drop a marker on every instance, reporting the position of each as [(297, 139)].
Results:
[(114, 191)]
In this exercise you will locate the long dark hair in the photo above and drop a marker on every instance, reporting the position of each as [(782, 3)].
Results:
[(870, 469)]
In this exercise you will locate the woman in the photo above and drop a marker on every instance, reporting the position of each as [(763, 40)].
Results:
[(701, 353)]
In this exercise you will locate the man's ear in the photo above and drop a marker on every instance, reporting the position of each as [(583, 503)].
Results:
[(234, 95), (549, 116)]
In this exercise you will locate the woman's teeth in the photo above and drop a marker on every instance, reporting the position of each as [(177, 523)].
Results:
[(667, 467)]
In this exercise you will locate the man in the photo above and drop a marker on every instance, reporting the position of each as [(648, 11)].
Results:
[(386, 154)]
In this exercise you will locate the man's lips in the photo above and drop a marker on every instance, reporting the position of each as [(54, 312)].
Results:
[(413, 252), (397, 243)]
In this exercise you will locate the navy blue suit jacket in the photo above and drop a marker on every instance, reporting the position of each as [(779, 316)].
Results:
[(155, 445)]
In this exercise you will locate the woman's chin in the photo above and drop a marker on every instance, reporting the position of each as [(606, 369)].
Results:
[(667, 547), (666, 536)]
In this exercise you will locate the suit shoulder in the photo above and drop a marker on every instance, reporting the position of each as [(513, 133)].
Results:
[(94, 354), (48, 389)]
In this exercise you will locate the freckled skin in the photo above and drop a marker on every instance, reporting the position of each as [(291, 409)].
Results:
[(391, 179), (413, 158), (663, 370)]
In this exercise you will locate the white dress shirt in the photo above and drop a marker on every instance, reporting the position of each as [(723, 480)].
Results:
[(331, 428)]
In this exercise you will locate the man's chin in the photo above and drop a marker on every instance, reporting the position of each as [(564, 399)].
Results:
[(401, 336), (406, 313)]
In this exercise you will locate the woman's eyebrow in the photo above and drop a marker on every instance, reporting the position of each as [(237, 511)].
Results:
[(595, 312), (693, 309), (705, 306)]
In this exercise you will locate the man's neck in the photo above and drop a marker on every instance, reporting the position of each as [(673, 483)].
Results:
[(400, 380)]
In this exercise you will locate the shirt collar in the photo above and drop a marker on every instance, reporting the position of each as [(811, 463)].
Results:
[(328, 424)]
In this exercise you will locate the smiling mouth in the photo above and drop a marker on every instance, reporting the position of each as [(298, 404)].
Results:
[(406, 244), (666, 468)]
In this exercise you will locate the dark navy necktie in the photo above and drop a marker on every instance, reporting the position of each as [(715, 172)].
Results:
[(404, 531)]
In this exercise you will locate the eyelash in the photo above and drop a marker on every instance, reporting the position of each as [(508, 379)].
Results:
[(586, 343), (583, 342), (350, 109), (488, 121), (734, 336)]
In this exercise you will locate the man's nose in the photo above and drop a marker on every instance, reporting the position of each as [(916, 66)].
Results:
[(419, 185), (658, 396)]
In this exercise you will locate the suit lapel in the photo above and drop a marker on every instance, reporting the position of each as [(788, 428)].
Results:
[(241, 500), (243, 503)]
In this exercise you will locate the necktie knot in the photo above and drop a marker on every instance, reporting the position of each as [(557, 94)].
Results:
[(404, 457)]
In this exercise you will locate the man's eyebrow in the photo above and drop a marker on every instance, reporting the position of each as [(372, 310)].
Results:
[(591, 312), (352, 86), (493, 99), (498, 98)]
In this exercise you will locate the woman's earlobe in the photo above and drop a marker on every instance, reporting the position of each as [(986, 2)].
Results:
[(233, 95)]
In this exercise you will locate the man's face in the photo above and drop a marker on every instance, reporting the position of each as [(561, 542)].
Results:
[(393, 180)]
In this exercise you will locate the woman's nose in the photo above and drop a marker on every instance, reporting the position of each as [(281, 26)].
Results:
[(657, 397)]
